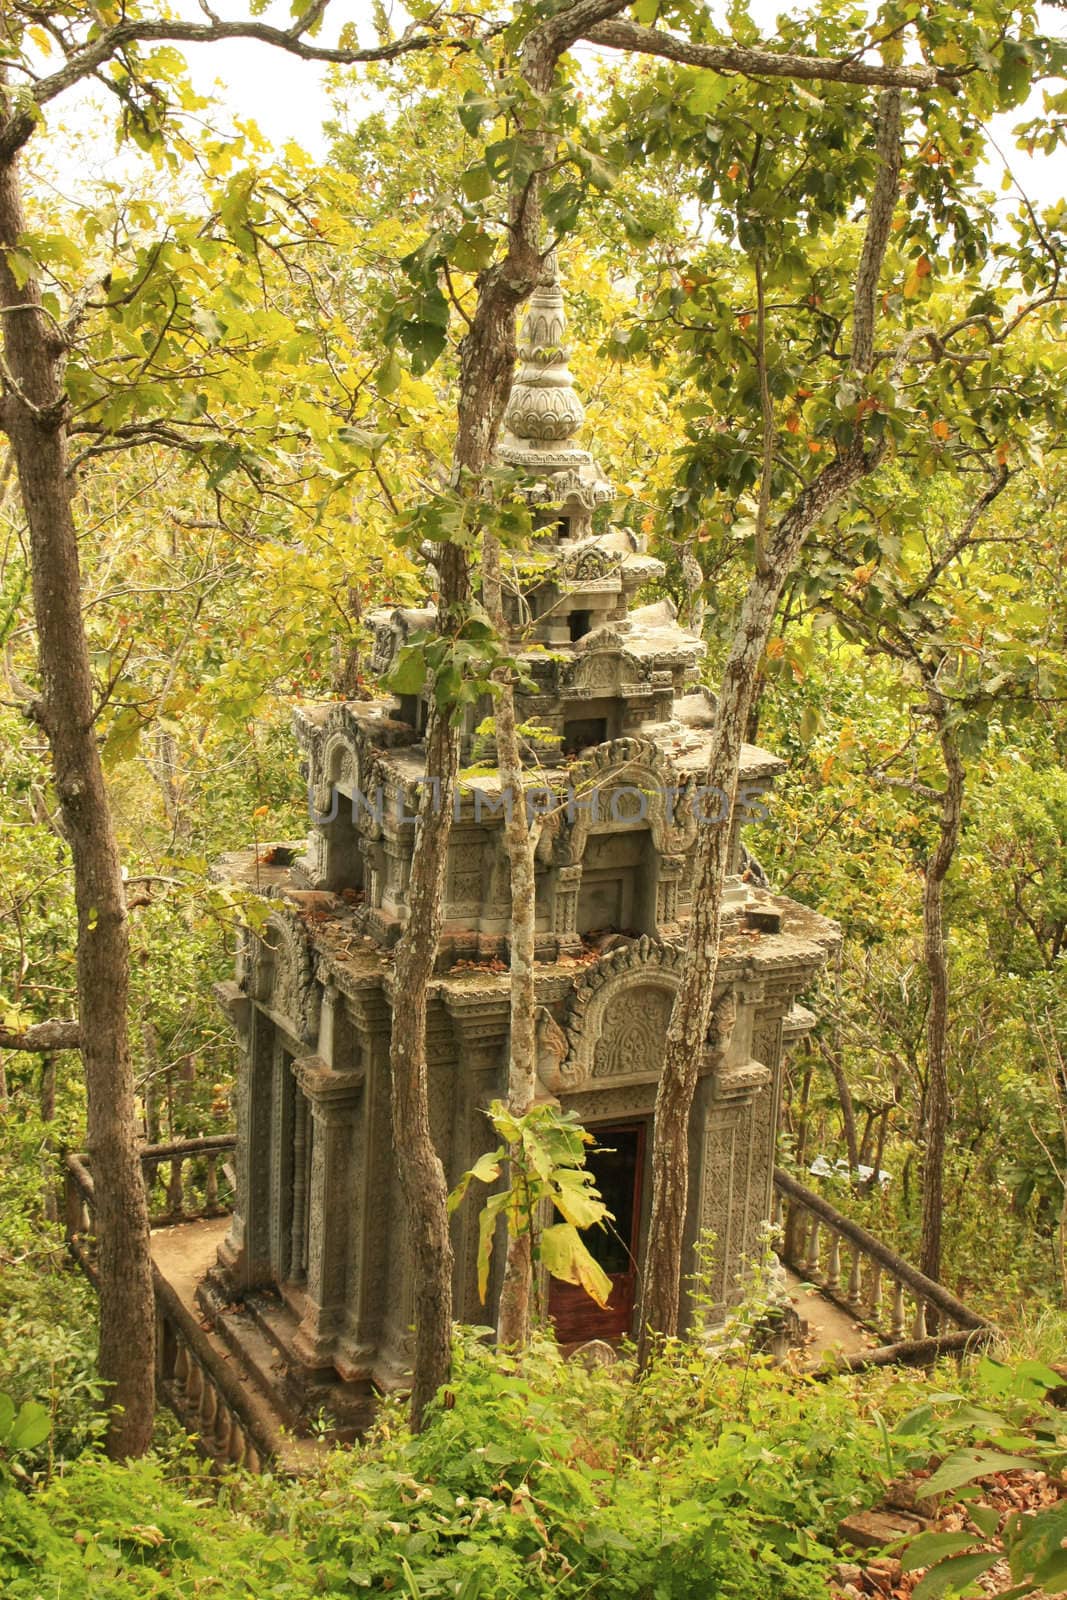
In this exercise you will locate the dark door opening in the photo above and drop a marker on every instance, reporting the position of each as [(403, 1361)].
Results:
[(582, 732), (618, 1170)]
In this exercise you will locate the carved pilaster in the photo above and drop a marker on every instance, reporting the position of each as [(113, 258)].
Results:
[(670, 874), (568, 883), (727, 1171), (480, 1022), (334, 1101), (370, 1194), (283, 1090)]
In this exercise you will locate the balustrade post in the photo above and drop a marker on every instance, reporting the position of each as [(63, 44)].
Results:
[(175, 1199), (794, 1231), (811, 1261), (898, 1309), (180, 1379), (211, 1185), (855, 1281), (833, 1271), (223, 1429)]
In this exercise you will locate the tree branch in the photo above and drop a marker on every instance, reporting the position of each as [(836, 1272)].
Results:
[(42, 1037), (884, 198), (621, 34), (84, 61)]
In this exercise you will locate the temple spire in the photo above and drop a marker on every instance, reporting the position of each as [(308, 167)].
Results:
[(544, 414), (544, 407)]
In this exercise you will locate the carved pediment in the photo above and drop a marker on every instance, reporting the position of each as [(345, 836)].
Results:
[(599, 674)]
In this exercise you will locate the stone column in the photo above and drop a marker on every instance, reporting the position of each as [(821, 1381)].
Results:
[(334, 1099), (369, 1198), (480, 1020), (282, 1105)]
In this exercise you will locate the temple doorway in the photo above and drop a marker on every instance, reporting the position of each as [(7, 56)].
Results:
[(618, 1168)]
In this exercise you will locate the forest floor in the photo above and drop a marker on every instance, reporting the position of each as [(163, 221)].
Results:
[(903, 1514), (830, 1328)]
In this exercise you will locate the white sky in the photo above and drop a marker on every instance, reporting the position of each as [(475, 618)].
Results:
[(288, 99)]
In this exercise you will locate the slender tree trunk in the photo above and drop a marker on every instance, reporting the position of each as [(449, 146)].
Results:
[(691, 1012), (487, 362), (513, 1317), (848, 1110), (935, 1121), (422, 1177), (34, 417)]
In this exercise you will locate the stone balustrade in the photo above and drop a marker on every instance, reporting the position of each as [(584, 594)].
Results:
[(916, 1318), (184, 1181), (195, 1379)]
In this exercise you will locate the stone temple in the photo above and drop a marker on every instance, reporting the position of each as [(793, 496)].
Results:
[(313, 1285)]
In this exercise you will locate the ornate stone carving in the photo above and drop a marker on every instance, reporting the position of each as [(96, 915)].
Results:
[(632, 1032), (543, 406), (287, 981), (645, 968), (552, 1046), (588, 562)]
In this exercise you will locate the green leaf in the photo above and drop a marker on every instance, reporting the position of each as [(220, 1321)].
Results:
[(409, 674), (477, 183), (931, 1547), (473, 249), (363, 438), (707, 94), (389, 374), (987, 1518), (476, 109), (492, 1209), (964, 1466), (954, 1575), (123, 737), (31, 1427), (575, 1198), (425, 342)]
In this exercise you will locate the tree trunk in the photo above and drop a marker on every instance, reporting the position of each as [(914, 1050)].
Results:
[(513, 1316), (422, 1177), (848, 1111), (487, 362), (691, 1012), (34, 418), (935, 1122)]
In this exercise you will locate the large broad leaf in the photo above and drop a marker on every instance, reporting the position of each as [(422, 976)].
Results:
[(486, 1170), (1038, 1551), (566, 1257), (964, 1466), (30, 1428), (486, 1228), (953, 1576), (931, 1547), (576, 1198)]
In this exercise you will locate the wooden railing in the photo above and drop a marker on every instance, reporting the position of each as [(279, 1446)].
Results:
[(916, 1318)]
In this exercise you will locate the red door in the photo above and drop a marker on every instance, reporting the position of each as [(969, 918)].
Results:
[(618, 1170)]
